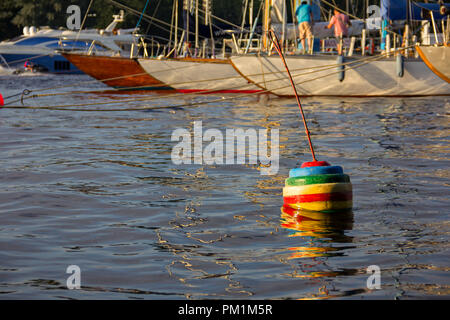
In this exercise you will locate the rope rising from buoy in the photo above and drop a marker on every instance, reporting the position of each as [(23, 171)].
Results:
[(276, 43)]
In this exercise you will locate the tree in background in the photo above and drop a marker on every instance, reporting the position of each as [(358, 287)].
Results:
[(8, 10), (34, 12), (16, 14)]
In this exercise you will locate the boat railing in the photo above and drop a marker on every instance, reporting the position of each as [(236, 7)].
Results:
[(146, 47), (91, 48)]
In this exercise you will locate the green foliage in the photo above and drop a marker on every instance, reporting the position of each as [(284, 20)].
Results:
[(8, 10), (15, 14)]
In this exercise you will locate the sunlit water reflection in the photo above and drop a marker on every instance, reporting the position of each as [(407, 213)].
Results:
[(99, 190)]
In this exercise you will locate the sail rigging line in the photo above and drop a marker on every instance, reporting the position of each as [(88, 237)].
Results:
[(274, 39), (224, 21), (85, 82), (341, 10), (25, 59), (82, 24), (140, 18), (144, 108), (262, 71), (211, 34), (154, 14), (147, 17), (252, 33), (244, 15)]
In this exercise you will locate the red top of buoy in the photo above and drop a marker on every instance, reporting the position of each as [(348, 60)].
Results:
[(315, 164), (2, 103)]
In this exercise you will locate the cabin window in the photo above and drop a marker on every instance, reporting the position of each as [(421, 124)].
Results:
[(62, 65), (34, 40)]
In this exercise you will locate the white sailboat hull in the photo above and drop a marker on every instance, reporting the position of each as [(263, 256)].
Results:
[(198, 75), (318, 76), (437, 58)]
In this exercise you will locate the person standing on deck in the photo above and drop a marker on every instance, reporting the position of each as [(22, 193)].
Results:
[(384, 26), (28, 65), (305, 21), (341, 22)]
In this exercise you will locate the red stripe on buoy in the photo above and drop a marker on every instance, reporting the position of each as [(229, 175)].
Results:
[(335, 196), (315, 164), (2, 103)]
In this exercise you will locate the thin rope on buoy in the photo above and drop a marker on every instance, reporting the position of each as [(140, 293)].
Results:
[(274, 39)]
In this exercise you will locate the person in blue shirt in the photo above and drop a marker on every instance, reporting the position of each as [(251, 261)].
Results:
[(305, 21), (28, 65)]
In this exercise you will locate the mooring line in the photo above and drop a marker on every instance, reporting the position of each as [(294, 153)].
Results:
[(355, 64), (274, 39), (316, 69), (68, 107)]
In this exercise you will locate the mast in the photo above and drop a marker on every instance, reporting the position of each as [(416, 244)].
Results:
[(244, 16), (407, 27), (176, 28), (293, 7), (187, 8), (266, 24), (283, 33), (408, 5), (250, 15), (207, 4), (366, 6), (171, 26), (196, 28)]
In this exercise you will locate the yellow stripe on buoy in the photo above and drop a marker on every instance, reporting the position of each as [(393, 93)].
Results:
[(323, 205), (290, 191)]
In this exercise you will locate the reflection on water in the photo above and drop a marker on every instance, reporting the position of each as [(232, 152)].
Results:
[(322, 235), (320, 231), (321, 226)]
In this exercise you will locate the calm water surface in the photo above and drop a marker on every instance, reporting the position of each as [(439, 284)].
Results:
[(99, 190)]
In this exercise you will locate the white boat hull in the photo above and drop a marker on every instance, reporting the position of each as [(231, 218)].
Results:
[(318, 76), (198, 75), (437, 58)]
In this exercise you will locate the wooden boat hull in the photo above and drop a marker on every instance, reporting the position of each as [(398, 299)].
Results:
[(118, 72), (199, 75), (318, 76), (437, 59)]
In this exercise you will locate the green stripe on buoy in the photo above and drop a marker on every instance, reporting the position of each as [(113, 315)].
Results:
[(322, 178)]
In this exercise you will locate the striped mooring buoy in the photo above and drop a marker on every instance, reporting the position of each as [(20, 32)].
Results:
[(318, 186)]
